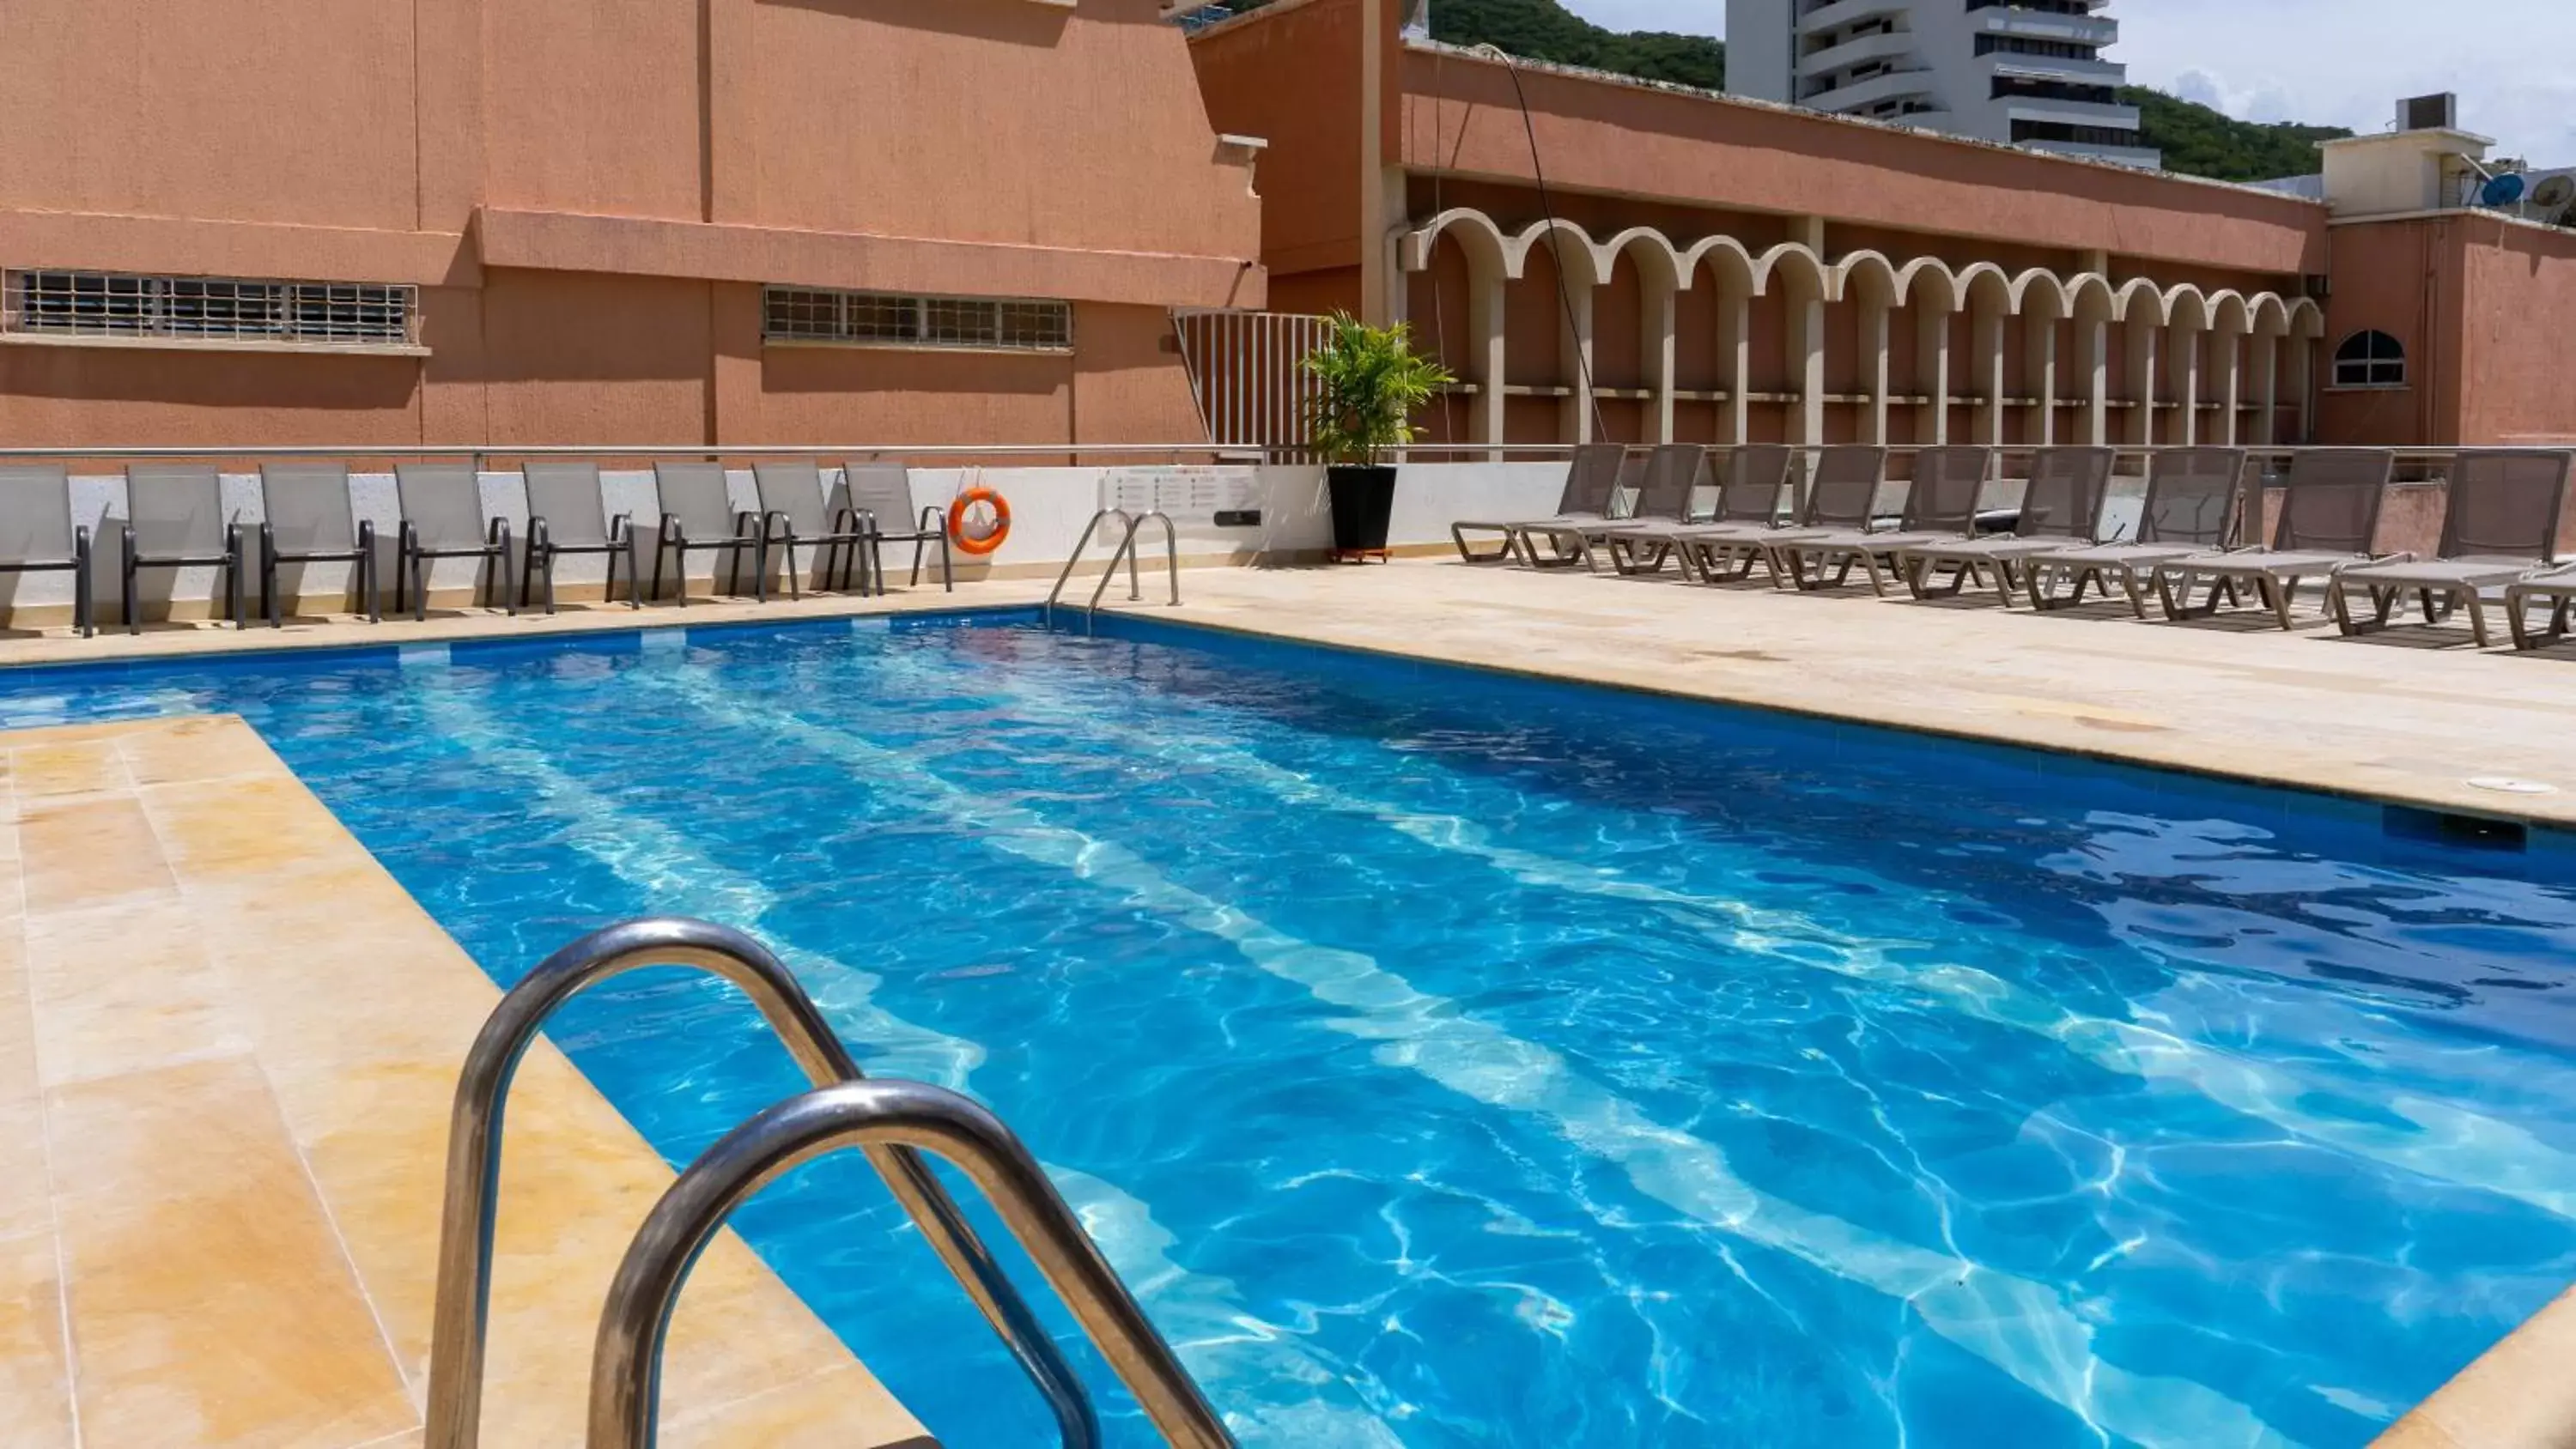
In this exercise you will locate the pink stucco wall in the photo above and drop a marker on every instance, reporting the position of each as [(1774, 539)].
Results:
[(591, 193)]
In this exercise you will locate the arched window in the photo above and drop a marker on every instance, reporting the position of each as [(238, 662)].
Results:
[(2370, 359)]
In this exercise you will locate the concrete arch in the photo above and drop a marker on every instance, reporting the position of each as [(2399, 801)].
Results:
[(2230, 315), (1985, 282), (1726, 257), (1657, 258), (2143, 302), (2187, 309), (2089, 298), (1484, 242), (2271, 315), (1870, 274), (2307, 319), (1800, 268), (1929, 283), (1581, 259), (2038, 292)]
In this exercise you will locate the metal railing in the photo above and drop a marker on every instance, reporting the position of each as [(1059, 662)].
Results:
[(464, 1289), (1247, 374), (878, 1117), (1126, 552)]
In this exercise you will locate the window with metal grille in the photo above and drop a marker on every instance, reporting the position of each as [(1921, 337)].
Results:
[(814, 314), (214, 309), (2370, 359)]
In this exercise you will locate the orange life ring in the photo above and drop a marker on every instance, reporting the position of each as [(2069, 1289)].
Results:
[(976, 545)]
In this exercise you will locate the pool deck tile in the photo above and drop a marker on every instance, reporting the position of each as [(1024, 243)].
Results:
[(228, 1046)]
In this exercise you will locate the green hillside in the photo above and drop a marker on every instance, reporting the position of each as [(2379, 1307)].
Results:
[(2196, 140), (2199, 141)]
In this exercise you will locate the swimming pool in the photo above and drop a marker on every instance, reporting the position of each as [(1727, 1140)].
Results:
[(1447, 1058)]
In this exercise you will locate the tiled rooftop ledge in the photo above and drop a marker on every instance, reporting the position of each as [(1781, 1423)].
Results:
[(228, 1041)]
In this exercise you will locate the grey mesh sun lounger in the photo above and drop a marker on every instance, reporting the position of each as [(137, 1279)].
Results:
[(37, 534), (2190, 507), (2061, 508), (1842, 495), (309, 517), (1662, 504), (568, 513), (2329, 514), (698, 516), (2499, 525), (880, 494), (794, 509), (1642, 544), (175, 519), (442, 517), (2555, 589), (1756, 489), (1940, 507), (1590, 496)]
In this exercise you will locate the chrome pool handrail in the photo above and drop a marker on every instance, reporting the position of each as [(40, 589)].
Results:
[(458, 1324), (879, 1116), (1047, 610), (1127, 549)]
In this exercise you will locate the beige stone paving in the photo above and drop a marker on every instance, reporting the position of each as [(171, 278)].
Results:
[(228, 1041), (2410, 716)]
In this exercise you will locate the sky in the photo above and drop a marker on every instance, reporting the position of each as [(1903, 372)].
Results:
[(2326, 62)]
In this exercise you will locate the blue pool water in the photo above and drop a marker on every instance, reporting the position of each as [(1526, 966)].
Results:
[(1449, 1059)]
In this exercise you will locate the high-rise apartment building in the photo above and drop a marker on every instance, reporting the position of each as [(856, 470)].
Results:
[(2024, 72)]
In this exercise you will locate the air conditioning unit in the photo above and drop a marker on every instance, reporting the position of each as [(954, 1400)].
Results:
[(2429, 113)]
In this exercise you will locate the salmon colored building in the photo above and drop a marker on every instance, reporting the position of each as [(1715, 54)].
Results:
[(591, 221), (1600, 257)]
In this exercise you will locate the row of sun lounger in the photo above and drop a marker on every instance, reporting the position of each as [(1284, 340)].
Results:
[(2499, 533), (176, 518)]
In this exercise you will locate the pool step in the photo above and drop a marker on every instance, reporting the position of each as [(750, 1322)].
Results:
[(891, 1121)]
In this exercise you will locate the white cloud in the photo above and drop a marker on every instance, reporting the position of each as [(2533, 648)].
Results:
[(2325, 62)]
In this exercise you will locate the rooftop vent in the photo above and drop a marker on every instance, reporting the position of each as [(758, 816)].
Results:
[(2429, 113)]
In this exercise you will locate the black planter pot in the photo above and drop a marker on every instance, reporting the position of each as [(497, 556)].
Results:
[(1363, 499)]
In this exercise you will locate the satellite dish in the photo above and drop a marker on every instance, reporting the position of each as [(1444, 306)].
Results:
[(2501, 192), (2554, 194)]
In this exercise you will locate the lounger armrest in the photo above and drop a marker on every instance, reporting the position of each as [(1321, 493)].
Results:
[(496, 532), (776, 524), (621, 529), (406, 536), (845, 519), (267, 541), (746, 524), (540, 533), (867, 519), (932, 517), (366, 535)]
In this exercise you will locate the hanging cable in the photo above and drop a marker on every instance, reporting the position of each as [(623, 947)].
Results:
[(1547, 210)]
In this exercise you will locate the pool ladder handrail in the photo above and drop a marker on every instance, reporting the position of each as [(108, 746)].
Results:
[(875, 1116), (460, 1317), (1127, 551)]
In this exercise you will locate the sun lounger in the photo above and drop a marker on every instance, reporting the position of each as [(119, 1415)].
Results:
[(2060, 508), (1662, 504), (1940, 507), (2191, 507), (795, 509), (2329, 514), (442, 517), (2499, 525), (881, 495), (1842, 495), (568, 513), (698, 516), (1590, 495), (1754, 491), (309, 517), (2556, 589), (175, 519), (37, 534)]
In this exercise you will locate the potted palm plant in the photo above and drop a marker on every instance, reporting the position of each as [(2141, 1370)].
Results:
[(1370, 382)]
